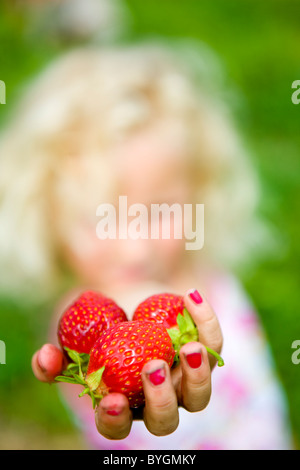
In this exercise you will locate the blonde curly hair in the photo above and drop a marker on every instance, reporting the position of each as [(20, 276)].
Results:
[(118, 90)]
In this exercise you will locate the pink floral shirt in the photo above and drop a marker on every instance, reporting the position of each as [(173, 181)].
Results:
[(248, 408)]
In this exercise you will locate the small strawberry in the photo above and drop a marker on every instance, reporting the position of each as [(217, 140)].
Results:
[(161, 308), (118, 356), (169, 310), (84, 321)]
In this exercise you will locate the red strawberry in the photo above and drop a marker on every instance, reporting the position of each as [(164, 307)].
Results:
[(120, 352), (161, 308), (84, 320), (169, 310), (118, 356)]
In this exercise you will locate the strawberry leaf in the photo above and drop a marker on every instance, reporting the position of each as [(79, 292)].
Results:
[(93, 380), (73, 374), (70, 372), (79, 379), (74, 355), (189, 322), (84, 358), (181, 323), (174, 334), (79, 362), (72, 365), (185, 333), (86, 391), (69, 380)]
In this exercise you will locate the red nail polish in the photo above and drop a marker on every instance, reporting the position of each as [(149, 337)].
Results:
[(158, 376), (114, 412), (196, 297), (194, 360)]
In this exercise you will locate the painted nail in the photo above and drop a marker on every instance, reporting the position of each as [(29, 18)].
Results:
[(196, 297), (194, 360), (113, 411), (158, 376)]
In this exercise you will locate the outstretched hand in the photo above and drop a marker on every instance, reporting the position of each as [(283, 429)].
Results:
[(187, 385)]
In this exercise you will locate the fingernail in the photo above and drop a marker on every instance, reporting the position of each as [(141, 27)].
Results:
[(114, 411), (195, 296), (158, 376), (194, 360), (40, 360)]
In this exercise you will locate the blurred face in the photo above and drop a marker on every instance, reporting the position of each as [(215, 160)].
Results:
[(148, 168)]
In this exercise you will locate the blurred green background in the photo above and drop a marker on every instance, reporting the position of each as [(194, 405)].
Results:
[(258, 43)]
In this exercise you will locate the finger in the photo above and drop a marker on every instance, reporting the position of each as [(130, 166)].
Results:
[(161, 406), (207, 323), (196, 377), (47, 363), (113, 416)]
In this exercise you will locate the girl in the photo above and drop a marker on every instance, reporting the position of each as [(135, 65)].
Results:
[(138, 121)]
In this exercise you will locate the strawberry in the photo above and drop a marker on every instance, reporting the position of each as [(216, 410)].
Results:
[(118, 356), (82, 323), (169, 310), (161, 308), (84, 320)]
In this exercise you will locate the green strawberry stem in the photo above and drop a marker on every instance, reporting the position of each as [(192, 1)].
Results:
[(185, 333), (216, 355), (75, 374), (78, 364)]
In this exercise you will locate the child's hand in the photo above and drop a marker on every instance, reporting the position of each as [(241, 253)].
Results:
[(188, 385)]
